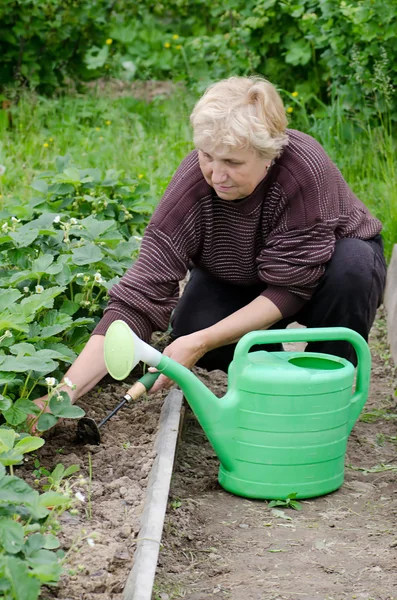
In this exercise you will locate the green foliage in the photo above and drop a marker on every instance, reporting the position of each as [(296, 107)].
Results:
[(312, 46), (29, 554), (44, 41), (306, 45), (289, 502), (56, 270)]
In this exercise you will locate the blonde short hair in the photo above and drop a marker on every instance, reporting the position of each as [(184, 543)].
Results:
[(241, 112)]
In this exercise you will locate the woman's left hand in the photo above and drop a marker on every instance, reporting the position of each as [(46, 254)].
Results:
[(186, 350)]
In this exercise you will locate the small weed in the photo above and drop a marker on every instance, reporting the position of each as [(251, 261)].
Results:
[(126, 445), (380, 439), (377, 415), (175, 504), (289, 502), (376, 469)]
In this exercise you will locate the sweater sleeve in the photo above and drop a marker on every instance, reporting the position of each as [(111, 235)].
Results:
[(146, 295), (292, 263)]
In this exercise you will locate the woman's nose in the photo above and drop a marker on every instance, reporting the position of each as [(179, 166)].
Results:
[(219, 174)]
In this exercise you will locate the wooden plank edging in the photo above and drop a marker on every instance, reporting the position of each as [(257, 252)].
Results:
[(140, 580), (390, 302)]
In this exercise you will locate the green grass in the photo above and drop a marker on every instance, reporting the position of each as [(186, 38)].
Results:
[(121, 133), (150, 139)]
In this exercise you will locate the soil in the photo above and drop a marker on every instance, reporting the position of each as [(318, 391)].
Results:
[(343, 545), (110, 515)]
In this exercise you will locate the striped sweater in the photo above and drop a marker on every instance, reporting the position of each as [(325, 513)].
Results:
[(283, 235)]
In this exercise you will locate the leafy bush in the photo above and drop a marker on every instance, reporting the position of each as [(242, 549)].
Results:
[(29, 554), (305, 45), (55, 271), (42, 42)]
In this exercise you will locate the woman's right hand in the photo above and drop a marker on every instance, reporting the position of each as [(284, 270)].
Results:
[(41, 403)]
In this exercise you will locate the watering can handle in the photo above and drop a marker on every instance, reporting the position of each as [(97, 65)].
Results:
[(272, 336)]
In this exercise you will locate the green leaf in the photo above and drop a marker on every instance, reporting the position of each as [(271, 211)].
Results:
[(95, 228), (15, 415), (33, 543), (17, 322), (22, 349), (35, 302), (51, 542), (15, 490), (40, 185), (96, 57), (86, 255), (24, 237), (7, 439), (64, 353), (64, 408), (71, 470), (11, 536), (70, 308), (27, 363), (11, 457), (23, 586), (54, 500), (29, 444), (8, 297), (46, 421), (6, 378), (41, 264), (5, 403), (45, 566)]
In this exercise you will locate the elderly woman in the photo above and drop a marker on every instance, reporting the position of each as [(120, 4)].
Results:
[(269, 229)]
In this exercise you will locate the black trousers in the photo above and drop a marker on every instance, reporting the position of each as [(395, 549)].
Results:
[(347, 295)]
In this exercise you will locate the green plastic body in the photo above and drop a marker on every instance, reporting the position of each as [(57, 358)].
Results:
[(283, 426)]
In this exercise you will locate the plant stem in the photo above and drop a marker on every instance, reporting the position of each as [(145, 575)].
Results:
[(25, 384), (89, 486)]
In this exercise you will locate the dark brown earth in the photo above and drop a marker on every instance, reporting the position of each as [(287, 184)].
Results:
[(114, 497), (343, 545)]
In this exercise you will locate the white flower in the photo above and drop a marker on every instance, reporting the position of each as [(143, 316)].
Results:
[(57, 219), (90, 542), (39, 289), (2, 170), (4, 227), (50, 381), (26, 290), (73, 221), (80, 496), (79, 274), (68, 382), (15, 220), (137, 237), (7, 333), (98, 277)]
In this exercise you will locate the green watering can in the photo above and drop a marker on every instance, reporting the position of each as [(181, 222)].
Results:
[(283, 425)]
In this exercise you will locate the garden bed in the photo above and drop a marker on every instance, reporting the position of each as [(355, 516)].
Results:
[(102, 536), (343, 545)]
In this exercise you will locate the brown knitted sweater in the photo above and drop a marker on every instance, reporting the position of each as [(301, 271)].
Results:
[(283, 235)]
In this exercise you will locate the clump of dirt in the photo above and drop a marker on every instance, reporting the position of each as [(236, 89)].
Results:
[(343, 545), (110, 515)]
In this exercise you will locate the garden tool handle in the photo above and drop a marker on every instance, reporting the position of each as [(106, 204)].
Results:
[(317, 334), (142, 385)]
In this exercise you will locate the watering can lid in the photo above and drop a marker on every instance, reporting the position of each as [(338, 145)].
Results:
[(287, 372)]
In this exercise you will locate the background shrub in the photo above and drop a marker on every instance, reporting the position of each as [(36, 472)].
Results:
[(313, 46)]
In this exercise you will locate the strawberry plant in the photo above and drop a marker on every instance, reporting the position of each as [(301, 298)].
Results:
[(29, 548)]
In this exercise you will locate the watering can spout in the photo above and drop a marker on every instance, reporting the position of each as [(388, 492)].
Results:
[(123, 350)]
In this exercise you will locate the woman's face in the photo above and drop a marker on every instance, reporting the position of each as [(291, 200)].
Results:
[(233, 174)]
